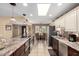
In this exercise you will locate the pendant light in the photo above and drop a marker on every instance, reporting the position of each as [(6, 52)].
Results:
[(13, 5), (25, 17)]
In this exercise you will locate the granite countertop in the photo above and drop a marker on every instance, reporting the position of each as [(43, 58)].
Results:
[(74, 45), (13, 46)]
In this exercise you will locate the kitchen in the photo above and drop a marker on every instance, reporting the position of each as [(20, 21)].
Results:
[(56, 34)]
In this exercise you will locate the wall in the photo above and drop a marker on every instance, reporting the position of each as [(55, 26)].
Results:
[(5, 20), (3, 32), (16, 30)]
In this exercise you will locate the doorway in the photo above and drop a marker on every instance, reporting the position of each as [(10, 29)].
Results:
[(24, 34), (41, 32)]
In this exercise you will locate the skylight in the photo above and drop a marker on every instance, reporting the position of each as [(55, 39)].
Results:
[(43, 9), (25, 4), (59, 4)]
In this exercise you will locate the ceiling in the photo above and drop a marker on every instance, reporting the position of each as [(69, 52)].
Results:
[(54, 10)]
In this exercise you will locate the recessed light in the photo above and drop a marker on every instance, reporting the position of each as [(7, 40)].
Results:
[(25, 4), (59, 4), (31, 15), (50, 15)]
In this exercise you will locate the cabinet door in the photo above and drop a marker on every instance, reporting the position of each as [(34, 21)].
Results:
[(56, 46), (56, 23), (20, 51), (78, 19), (63, 50), (72, 52), (70, 21), (61, 22)]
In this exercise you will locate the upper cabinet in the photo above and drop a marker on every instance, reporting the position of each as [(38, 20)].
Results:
[(61, 21), (77, 19), (56, 23), (70, 21)]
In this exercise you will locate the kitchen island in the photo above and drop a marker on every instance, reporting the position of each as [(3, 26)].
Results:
[(70, 48), (18, 47)]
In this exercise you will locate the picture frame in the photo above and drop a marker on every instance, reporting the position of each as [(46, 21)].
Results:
[(8, 27)]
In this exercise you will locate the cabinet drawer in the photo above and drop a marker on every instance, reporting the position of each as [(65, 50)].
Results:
[(20, 51), (63, 49), (27, 51), (72, 52), (27, 44), (12, 54), (56, 46)]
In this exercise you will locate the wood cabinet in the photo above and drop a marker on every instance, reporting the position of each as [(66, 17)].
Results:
[(70, 21), (72, 52), (57, 23), (23, 50), (63, 49), (20, 51), (27, 47), (62, 21), (50, 41), (55, 46), (77, 19), (31, 42)]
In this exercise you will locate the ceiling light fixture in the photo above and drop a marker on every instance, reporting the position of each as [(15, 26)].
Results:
[(43, 9), (50, 15), (25, 4), (59, 4), (12, 18), (31, 15), (25, 17)]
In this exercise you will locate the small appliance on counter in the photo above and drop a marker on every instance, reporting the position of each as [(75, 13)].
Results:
[(72, 37)]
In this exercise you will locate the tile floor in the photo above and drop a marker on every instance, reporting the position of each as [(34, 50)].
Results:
[(40, 49)]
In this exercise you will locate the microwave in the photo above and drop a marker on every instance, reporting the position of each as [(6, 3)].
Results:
[(72, 37)]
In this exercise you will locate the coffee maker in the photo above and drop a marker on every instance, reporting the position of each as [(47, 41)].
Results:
[(72, 37)]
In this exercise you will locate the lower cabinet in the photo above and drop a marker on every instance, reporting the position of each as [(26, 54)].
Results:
[(63, 49), (20, 51), (27, 51), (31, 44), (50, 41), (55, 46), (24, 50), (72, 52)]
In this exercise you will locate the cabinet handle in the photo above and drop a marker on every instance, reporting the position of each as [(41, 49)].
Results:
[(76, 54)]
